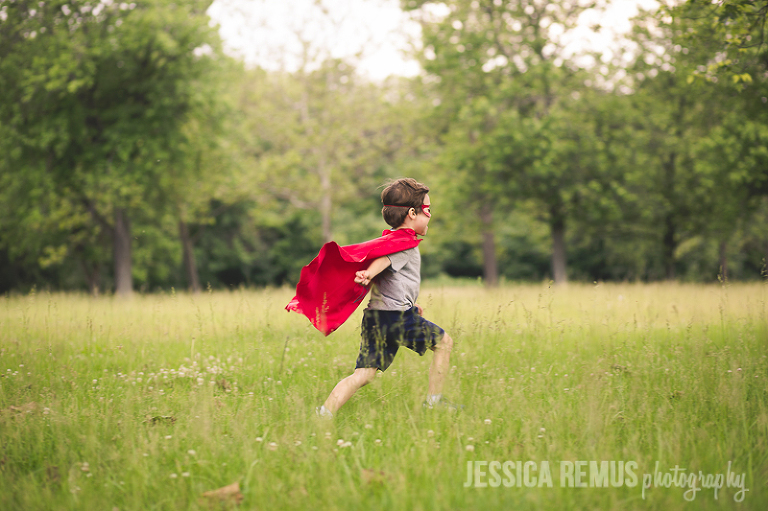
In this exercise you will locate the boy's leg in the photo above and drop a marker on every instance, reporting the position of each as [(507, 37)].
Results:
[(348, 386), (440, 364)]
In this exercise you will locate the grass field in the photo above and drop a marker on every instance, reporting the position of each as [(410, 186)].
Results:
[(150, 403)]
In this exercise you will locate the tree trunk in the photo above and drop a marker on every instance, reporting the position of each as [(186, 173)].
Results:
[(325, 200), (764, 269), (122, 254), (765, 261), (557, 228), (91, 277), (723, 275), (669, 246), (188, 254), (490, 264)]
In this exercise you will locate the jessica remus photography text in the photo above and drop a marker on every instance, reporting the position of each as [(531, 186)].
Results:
[(601, 474)]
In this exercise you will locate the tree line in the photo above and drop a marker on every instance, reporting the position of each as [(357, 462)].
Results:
[(136, 155)]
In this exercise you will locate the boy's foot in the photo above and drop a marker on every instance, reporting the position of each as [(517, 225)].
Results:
[(323, 413), (441, 403)]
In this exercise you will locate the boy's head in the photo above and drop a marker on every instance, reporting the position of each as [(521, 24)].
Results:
[(398, 199)]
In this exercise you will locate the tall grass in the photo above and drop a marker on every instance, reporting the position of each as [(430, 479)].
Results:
[(149, 403)]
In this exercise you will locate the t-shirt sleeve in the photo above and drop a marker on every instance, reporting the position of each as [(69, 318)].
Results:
[(399, 259)]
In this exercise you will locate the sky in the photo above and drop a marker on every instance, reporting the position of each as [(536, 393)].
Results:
[(376, 34)]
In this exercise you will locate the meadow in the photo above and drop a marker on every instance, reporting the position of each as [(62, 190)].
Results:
[(152, 402)]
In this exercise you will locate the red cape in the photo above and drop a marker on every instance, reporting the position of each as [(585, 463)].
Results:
[(327, 293)]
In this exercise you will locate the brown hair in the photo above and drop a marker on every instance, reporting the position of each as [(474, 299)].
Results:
[(406, 193)]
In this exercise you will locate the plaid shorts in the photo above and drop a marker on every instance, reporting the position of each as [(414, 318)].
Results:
[(383, 332)]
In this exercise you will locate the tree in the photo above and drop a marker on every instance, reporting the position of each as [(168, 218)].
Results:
[(691, 181), (317, 140), (94, 100), (505, 89)]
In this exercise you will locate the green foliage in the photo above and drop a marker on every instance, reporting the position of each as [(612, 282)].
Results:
[(645, 167), (517, 119), (93, 103), (738, 29), (233, 252), (317, 138), (699, 173)]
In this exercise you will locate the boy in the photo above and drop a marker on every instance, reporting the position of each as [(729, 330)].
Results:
[(392, 318)]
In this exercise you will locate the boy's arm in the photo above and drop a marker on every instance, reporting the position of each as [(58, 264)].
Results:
[(365, 277)]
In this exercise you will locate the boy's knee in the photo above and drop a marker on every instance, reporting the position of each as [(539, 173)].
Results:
[(366, 375), (446, 343)]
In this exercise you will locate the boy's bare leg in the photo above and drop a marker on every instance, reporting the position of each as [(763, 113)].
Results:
[(440, 365), (346, 388)]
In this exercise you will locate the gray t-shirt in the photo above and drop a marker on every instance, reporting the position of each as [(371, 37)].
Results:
[(397, 287)]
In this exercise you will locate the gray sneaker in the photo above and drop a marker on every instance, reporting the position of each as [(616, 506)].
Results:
[(323, 413), (442, 404)]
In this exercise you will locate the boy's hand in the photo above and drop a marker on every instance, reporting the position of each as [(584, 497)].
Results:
[(419, 310), (363, 277)]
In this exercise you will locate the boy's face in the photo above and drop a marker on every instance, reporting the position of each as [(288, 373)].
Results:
[(421, 223)]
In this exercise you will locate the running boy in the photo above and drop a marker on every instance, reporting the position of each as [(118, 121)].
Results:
[(392, 318)]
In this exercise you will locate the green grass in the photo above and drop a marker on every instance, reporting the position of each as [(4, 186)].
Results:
[(101, 406)]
